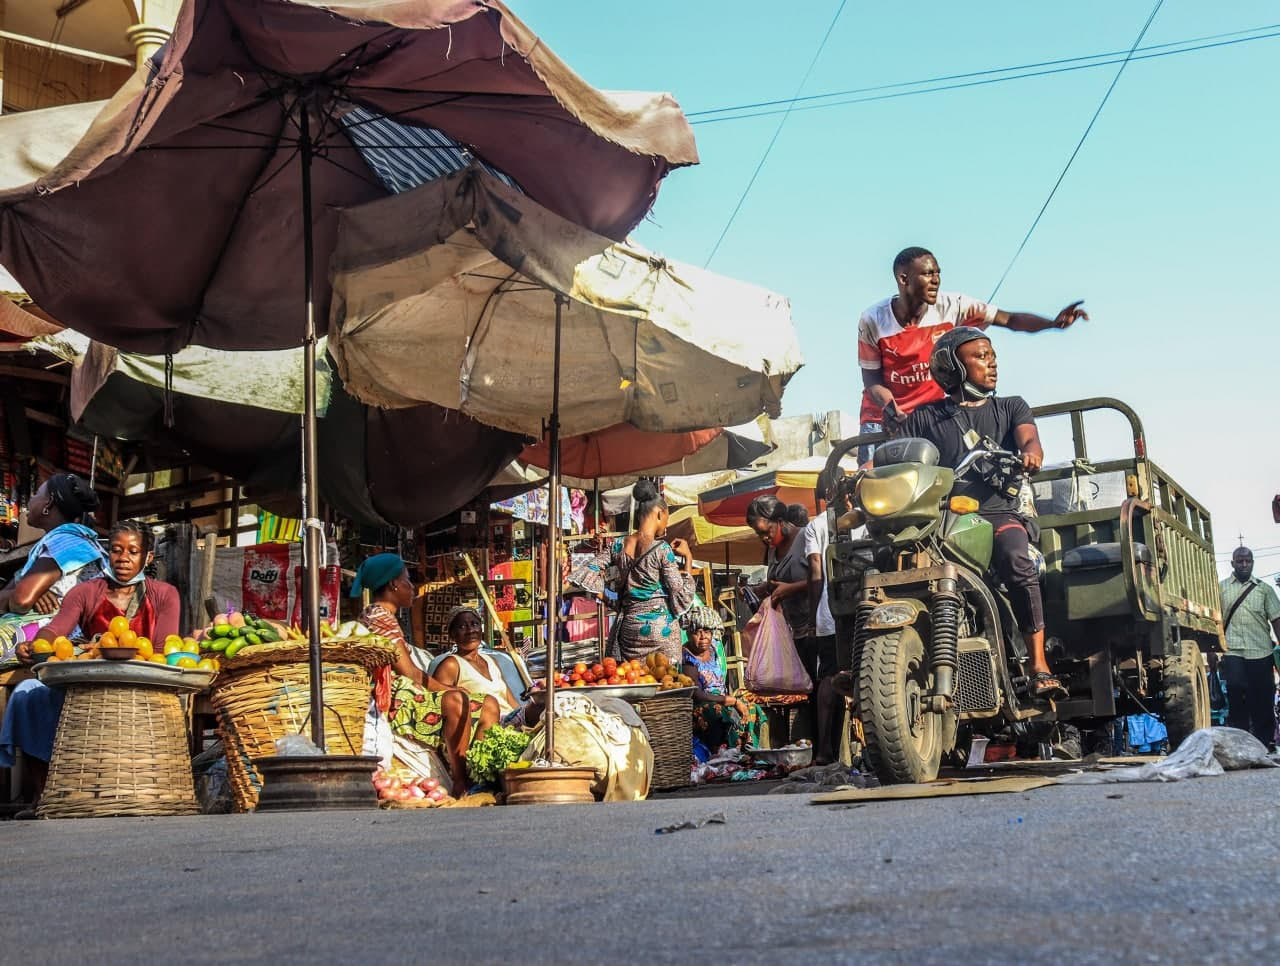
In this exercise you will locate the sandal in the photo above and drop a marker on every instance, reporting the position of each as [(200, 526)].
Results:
[(1046, 685)]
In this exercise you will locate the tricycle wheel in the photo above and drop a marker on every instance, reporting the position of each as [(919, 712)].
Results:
[(1186, 693), (903, 741)]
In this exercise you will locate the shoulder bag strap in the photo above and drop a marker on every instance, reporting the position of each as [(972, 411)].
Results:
[(1236, 604)]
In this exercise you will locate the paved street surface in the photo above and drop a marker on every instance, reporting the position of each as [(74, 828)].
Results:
[(1128, 873)]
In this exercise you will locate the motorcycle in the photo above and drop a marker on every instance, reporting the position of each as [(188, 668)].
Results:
[(926, 640)]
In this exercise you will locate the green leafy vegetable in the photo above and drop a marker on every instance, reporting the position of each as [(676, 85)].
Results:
[(487, 757)]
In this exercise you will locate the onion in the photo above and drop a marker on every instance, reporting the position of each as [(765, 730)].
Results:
[(437, 795), (430, 784), (381, 783), (416, 792)]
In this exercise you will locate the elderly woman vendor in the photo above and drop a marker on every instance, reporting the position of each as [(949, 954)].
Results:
[(420, 708)]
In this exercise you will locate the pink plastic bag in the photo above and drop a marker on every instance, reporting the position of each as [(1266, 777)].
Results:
[(773, 666)]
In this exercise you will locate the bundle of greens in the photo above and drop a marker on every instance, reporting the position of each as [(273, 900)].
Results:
[(487, 757)]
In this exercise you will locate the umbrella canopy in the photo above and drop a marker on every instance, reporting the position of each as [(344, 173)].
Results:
[(399, 467), (792, 482), (738, 546), (624, 451), (444, 294), (183, 219)]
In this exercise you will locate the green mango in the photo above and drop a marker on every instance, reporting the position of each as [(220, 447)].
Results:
[(253, 638), (222, 630), (234, 648), (269, 636), (220, 644)]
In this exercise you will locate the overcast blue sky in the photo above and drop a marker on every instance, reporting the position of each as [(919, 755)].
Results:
[(1165, 224)]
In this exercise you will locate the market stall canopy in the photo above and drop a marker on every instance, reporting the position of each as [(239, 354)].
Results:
[(177, 218), (624, 451), (737, 546), (31, 145), (792, 482), (444, 294)]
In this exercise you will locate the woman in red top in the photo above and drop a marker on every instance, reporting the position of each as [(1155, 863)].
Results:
[(150, 606)]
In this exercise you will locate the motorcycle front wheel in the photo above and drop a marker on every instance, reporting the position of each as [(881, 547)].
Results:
[(903, 740)]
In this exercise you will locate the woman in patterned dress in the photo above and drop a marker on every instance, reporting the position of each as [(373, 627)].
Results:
[(418, 706), (719, 717), (655, 582)]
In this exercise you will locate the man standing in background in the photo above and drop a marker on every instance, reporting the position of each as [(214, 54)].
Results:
[(1251, 613)]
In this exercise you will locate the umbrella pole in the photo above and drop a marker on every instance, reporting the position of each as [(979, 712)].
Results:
[(311, 544), (553, 556)]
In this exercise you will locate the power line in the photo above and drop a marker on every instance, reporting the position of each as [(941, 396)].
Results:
[(1054, 190), (774, 140), (977, 83), (976, 73)]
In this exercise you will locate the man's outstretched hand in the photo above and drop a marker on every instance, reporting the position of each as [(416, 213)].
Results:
[(1070, 315)]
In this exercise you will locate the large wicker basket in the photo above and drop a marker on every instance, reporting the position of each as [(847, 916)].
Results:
[(119, 750), (669, 721), (269, 696)]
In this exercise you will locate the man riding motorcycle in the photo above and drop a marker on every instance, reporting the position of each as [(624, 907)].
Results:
[(971, 417)]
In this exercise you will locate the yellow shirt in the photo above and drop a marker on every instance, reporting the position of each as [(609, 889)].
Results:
[(1249, 633)]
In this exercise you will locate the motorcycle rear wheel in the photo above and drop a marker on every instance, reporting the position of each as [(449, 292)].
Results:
[(903, 742)]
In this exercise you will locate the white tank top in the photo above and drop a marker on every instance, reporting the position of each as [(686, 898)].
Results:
[(473, 681)]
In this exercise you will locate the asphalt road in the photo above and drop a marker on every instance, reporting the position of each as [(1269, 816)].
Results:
[(1132, 873)]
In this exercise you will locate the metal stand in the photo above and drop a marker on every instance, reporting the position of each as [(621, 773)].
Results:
[(312, 545), (553, 556)]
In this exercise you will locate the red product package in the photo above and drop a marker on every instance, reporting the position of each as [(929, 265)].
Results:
[(264, 586)]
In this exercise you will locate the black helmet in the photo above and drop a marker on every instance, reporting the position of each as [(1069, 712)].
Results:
[(944, 364)]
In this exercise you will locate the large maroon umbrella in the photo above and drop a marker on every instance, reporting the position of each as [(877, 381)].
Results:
[(200, 204)]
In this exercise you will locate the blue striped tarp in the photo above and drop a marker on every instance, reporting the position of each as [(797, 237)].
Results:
[(404, 156)]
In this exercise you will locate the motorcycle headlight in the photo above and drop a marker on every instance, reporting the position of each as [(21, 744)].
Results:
[(892, 615), (882, 497)]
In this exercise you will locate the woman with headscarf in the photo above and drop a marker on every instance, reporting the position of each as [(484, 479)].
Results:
[(420, 709), (124, 602), (719, 716), (655, 582), (67, 554), (468, 667)]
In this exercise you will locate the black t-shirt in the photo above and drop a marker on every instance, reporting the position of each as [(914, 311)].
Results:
[(946, 425)]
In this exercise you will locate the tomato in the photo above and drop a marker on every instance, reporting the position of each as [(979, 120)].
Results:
[(580, 669), (598, 670), (632, 677), (118, 626)]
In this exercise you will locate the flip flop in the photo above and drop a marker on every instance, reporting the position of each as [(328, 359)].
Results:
[(1046, 685)]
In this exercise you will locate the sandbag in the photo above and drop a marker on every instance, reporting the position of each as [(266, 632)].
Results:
[(598, 734)]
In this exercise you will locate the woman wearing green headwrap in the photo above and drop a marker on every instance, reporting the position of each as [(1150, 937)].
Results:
[(418, 707)]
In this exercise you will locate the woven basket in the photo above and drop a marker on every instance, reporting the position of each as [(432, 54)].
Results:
[(669, 721), (370, 652), (259, 703), (119, 750)]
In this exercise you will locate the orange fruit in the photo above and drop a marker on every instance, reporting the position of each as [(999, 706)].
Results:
[(206, 664), (118, 625), (145, 650), (186, 662), (109, 639), (41, 646), (157, 659), (126, 637), (64, 649)]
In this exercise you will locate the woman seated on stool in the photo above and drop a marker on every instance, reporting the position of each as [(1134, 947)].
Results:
[(124, 596), (419, 707), (469, 667), (719, 718)]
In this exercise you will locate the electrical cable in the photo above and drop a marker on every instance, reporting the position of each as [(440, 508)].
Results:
[(981, 73), (1067, 167), (777, 131)]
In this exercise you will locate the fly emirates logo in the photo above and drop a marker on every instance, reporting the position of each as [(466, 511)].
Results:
[(913, 375)]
